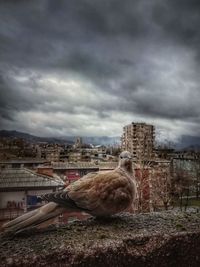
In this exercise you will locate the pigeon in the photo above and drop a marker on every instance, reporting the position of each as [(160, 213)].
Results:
[(100, 194)]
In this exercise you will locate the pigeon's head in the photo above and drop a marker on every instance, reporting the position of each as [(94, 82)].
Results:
[(125, 160), (125, 155)]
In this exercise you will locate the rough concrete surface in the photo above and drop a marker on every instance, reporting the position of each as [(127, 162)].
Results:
[(152, 239)]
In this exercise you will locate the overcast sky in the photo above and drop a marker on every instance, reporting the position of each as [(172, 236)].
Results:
[(89, 67)]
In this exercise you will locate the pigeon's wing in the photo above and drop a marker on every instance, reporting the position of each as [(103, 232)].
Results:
[(62, 197), (90, 175), (81, 186), (98, 194)]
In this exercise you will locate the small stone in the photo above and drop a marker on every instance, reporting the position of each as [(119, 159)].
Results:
[(9, 261)]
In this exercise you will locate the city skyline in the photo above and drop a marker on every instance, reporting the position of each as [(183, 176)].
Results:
[(88, 68)]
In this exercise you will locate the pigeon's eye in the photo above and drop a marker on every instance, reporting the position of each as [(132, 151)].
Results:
[(121, 157)]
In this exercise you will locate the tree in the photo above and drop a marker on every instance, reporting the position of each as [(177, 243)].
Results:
[(196, 171), (181, 182), (161, 187), (142, 171)]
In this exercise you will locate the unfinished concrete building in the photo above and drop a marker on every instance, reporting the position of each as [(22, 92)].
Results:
[(138, 138)]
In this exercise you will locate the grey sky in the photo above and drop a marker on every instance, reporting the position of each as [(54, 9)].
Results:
[(88, 67)]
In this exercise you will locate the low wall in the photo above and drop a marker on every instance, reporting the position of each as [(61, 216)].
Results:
[(154, 239)]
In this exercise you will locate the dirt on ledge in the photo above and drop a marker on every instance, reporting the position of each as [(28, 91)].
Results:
[(152, 239)]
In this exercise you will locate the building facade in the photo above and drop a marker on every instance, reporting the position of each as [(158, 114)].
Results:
[(20, 188), (138, 139), (70, 172)]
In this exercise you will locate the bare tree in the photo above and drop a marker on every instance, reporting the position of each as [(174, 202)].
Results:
[(161, 187), (196, 172), (181, 182), (142, 172)]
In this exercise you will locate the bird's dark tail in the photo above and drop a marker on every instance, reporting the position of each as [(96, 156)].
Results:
[(33, 218)]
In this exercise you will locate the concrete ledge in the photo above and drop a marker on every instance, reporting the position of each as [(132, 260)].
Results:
[(155, 239)]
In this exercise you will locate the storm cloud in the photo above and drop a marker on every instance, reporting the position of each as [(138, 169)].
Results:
[(88, 68)]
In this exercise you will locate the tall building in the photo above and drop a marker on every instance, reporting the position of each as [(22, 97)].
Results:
[(138, 138), (78, 142)]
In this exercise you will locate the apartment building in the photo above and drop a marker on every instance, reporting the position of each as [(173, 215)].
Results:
[(138, 138)]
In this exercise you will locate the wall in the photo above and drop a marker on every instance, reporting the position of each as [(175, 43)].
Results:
[(144, 240), (11, 196)]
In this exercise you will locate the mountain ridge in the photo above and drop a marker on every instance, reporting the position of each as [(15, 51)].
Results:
[(186, 142), (102, 140)]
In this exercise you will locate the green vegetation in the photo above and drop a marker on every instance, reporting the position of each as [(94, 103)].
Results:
[(194, 202)]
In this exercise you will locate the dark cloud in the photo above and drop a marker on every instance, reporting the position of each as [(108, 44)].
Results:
[(180, 21), (89, 67)]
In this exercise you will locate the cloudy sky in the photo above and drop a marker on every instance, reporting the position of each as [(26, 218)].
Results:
[(89, 67)]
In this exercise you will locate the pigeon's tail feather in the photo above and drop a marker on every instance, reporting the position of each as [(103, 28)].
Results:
[(32, 218), (19, 219)]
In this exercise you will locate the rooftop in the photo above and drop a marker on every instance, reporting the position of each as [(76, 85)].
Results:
[(13, 161), (81, 165), (24, 178)]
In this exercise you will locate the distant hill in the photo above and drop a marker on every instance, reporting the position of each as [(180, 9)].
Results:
[(32, 138), (188, 142), (97, 140), (102, 140)]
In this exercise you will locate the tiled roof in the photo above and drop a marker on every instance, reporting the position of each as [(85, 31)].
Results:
[(18, 178), (21, 161), (81, 165), (73, 165), (108, 165)]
